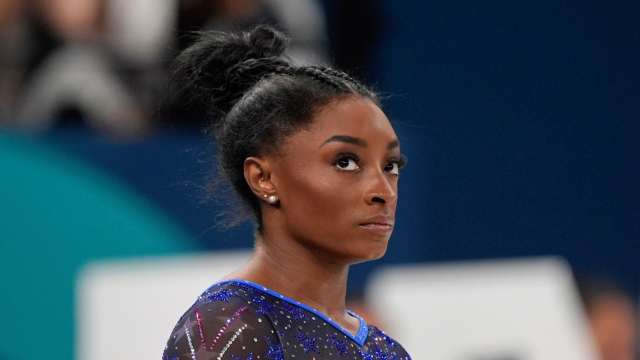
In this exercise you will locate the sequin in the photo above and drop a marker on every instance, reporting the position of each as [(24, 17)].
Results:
[(296, 312), (365, 355), (339, 344), (224, 327), (200, 329), (191, 348), (263, 306), (246, 321), (309, 344), (232, 340), (222, 295), (275, 352)]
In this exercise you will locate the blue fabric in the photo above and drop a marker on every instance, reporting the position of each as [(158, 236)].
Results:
[(242, 320), (359, 337)]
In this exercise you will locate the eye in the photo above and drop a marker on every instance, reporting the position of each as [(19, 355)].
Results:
[(347, 162), (392, 168), (394, 165)]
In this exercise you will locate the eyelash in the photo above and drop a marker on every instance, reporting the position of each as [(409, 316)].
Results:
[(401, 161)]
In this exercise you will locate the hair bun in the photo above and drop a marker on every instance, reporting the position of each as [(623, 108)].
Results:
[(267, 41), (218, 68)]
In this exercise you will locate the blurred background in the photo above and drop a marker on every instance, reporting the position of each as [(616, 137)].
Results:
[(520, 122)]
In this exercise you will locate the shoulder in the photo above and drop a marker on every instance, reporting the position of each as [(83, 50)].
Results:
[(380, 342), (223, 320), (222, 300)]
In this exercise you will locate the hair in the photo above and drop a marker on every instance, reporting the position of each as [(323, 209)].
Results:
[(254, 97), (592, 288)]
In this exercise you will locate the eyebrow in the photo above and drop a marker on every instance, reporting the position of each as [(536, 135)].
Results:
[(357, 141)]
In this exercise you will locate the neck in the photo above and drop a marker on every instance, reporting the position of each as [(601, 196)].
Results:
[(305, 274)]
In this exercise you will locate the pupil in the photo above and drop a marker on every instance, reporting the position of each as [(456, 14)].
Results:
[(343, 162)]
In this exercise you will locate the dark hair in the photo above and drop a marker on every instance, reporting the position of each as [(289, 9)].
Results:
[(254, 97), (592, 288)]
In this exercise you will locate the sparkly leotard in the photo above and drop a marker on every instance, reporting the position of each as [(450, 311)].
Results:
[(241, 320)]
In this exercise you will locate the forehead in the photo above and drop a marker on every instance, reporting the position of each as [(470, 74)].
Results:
[(356, 117)]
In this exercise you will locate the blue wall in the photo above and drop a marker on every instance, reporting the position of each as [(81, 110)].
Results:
[(529, 115)]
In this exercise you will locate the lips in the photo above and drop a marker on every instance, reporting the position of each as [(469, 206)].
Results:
[(378, 224), (380, 220)]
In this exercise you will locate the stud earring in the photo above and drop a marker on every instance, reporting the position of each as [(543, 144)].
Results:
[(271, 199)]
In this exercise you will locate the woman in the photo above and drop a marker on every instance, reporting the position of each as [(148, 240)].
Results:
[(316, 160)]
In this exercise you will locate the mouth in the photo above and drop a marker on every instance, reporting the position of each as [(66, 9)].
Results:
[(377, 227), (378, 224)]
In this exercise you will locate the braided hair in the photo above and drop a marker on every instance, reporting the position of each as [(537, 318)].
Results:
[(254, 97)]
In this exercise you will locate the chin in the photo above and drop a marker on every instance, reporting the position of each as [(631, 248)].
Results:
[(371, 252)]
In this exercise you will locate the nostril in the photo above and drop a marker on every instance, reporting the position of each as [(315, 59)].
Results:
[(378, 199)]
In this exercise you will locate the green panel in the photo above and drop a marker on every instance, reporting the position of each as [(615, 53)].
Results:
[(56, 214)]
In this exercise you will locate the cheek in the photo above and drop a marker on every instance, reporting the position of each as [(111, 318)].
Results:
[(324, 210), (320, 202)]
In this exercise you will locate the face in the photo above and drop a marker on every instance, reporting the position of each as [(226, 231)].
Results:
[(338, 181), (73, 19)]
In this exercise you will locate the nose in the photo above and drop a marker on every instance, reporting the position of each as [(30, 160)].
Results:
[(381, 189)]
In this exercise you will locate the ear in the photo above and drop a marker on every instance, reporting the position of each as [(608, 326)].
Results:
[(257, 173)]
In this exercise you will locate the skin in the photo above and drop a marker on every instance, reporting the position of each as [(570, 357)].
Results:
[(318, 227), (73, 19), (612, 319), (10, 11)]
